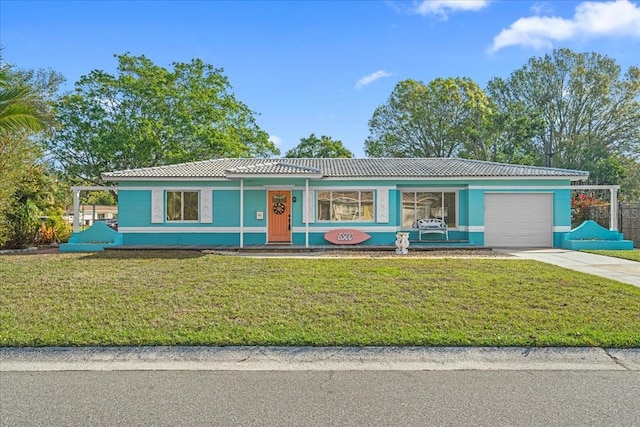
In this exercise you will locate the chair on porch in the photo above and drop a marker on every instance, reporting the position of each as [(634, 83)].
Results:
[(431, 226)]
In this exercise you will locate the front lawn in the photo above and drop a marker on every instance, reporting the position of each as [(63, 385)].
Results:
[(633, 254), (182, 298)]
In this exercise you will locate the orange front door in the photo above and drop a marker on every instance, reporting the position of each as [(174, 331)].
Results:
[(279, 206)]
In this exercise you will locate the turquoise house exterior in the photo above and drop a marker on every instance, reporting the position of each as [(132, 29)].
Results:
[(247, 202)]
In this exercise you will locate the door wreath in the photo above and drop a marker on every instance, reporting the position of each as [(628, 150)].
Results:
[(278, 208)]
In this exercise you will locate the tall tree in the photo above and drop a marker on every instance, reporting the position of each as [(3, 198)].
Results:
[(18, 112), (589, 109), (506, 135), (25, 114), (147, 115), (630, 182), (440, 119), (320, 148)]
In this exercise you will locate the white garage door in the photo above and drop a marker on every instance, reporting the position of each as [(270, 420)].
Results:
[(518, 220)]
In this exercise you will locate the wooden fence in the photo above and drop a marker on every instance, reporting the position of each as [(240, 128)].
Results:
[(629, 222), (628, 219)]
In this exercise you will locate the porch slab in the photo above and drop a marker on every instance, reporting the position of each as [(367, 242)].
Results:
[(290, 248)]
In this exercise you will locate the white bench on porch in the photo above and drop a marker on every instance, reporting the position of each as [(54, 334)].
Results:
[(430, 226)]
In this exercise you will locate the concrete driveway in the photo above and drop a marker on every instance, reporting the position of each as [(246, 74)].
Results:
[(622, 270)]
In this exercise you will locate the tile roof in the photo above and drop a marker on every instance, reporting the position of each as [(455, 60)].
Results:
[(273, 168), (344, 168)]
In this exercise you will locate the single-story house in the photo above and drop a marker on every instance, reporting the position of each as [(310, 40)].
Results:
[(243, 202)]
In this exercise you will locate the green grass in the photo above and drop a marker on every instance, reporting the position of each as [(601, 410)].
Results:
[(633, 254), (181, 298)]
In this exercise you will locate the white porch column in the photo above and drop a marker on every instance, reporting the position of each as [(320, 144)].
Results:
[(613, 220), (241, 213), (76, 202), (76, 210), (304, 210)]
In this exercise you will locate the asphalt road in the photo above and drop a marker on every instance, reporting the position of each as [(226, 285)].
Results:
[(320, 398)]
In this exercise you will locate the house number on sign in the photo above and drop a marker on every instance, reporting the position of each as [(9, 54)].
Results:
[(345, 237)]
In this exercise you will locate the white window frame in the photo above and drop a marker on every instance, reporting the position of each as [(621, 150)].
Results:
[(359, 207), (182, 191), (456, 192)]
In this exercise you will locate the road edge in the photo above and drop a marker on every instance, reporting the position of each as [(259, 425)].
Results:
[(33, 359)]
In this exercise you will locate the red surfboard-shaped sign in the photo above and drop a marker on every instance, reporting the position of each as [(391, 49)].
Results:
[(346, 236)]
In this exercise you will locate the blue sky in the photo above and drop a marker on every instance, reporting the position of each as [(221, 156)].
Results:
[(316, 66)]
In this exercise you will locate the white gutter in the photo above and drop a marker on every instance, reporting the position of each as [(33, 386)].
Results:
[(241, 213), (305, 212)]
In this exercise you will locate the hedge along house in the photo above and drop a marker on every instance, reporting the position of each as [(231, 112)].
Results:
[(245, 202)]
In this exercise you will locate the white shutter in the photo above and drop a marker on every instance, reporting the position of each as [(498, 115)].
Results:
[(382, 206), (309, 203), (206, 206), (157, 206)]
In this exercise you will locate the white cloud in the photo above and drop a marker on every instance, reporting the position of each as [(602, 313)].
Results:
[(276, 140), (443, 7), (541, 8), (366, 80), (591, 19)]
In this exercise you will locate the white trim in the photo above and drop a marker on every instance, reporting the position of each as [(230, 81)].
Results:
[(174, 230), (163, 179), (347, 188), (561, 228), (533, 188), (277, 187), (364, 187), (533, 191), (472, 228), (594, 187), (94, 188), (179, 187), (361, 178), (368, 228), (458, 178), (193, 188), (431, 189)]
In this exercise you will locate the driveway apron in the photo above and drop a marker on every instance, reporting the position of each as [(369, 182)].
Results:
[(622, 270)]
